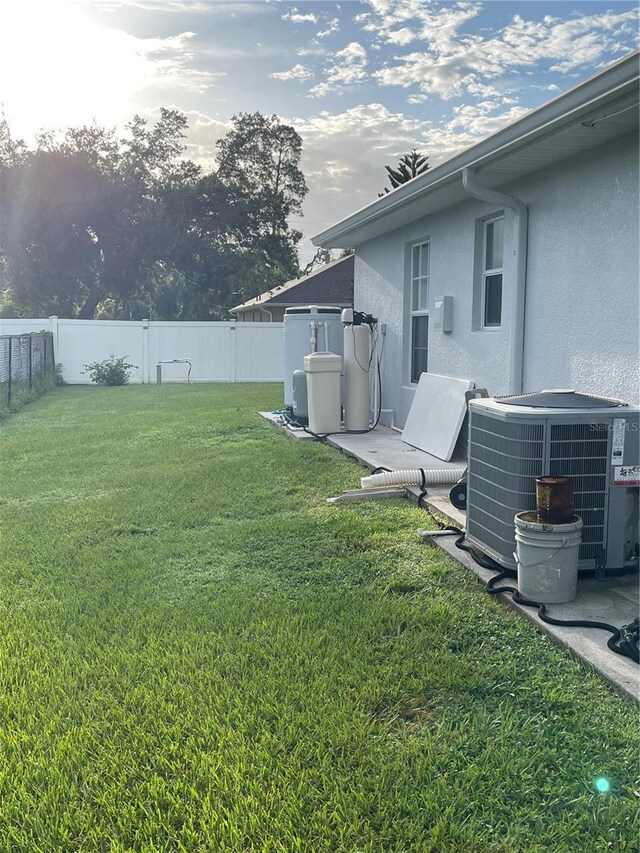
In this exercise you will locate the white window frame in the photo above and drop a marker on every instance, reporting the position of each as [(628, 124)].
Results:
[(486, 273), (416, 278)]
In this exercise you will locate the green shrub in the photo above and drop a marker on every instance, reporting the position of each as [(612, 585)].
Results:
[(111, 371)]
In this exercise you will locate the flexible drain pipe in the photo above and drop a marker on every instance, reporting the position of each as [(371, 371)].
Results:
[(521, 214), (414, 477)]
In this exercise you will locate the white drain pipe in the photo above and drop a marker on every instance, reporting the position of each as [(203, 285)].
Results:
[(414, 477), (521, 214)]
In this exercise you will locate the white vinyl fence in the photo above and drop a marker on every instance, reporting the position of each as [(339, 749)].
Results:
[(219, 352)]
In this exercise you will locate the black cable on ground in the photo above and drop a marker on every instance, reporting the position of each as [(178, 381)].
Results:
[(423, 489), (624, 640), (292, 423)]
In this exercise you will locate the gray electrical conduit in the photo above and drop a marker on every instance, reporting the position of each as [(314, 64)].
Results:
[(521, 214)]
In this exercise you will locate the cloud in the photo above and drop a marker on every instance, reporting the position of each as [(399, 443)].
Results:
[(299, 18), (403, 21), (332, 27), (402, 36), (170, 63), (298, 72), (202, 135), (349, 68), (451, 63), (314, 48), (342, 180)]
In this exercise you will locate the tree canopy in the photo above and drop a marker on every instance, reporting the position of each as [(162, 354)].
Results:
[(96, 224), (409, 167)]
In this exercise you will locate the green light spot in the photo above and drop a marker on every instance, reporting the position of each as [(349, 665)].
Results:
[(603, 785)]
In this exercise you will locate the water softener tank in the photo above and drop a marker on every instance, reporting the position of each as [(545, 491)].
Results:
[(323, 391), (356, 373), (303, 323)]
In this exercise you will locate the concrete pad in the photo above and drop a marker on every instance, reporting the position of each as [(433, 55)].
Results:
[(615, 600)]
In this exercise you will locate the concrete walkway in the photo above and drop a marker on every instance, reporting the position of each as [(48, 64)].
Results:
[(615, 601)]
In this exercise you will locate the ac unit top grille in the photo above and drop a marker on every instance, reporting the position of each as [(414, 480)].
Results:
[(560, 399)]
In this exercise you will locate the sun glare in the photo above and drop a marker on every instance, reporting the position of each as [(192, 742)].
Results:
[(58, 68)]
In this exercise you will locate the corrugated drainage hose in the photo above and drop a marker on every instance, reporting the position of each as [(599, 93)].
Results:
[(414, 477)]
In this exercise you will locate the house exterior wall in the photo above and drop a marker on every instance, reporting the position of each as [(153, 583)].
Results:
[(581, 320)]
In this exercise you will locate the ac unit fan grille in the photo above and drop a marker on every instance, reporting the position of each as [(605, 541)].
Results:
[(579, 451), (505, 457)]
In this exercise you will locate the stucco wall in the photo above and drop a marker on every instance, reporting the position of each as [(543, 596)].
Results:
[(581, 327), (583, 297)]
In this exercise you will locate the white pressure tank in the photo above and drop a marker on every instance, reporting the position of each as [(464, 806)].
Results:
[(303, 323), (356, 374), (323, 391)]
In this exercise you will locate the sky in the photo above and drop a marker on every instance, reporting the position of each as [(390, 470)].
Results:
[(362, 82)]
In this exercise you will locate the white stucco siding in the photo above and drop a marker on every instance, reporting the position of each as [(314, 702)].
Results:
[(582, 286), (380, 286)]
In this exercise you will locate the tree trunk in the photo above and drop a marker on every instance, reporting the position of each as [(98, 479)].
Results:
[(91, 303)]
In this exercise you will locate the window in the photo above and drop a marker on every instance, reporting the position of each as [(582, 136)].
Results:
[(420, 262), (492, 272)]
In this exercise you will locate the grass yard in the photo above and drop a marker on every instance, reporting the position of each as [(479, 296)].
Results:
[(198, 653)]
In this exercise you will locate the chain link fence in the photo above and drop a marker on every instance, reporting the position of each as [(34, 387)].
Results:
[(24, 361)]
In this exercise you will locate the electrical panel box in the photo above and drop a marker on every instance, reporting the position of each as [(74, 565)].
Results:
[(443, 313)]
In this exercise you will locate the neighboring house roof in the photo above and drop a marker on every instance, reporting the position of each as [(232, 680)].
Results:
[(590, 114), (331, 284)]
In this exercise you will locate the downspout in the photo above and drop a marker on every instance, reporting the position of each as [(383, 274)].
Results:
[(268, 313), (521, 215)]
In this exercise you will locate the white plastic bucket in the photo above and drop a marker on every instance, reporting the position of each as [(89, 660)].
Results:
[(547, 558)]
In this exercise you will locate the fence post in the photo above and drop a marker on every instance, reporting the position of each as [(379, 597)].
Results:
[(54, 331), (146, 367), (232, 353), (30, 362), (9, 383)]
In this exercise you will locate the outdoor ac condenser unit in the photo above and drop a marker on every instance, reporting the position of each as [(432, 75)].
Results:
[(595, 441)]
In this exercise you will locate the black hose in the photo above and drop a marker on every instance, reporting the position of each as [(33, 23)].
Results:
[(624, 641), (423, 489)]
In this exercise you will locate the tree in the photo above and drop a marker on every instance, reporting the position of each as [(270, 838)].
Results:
[(92, 223), (82, 219), (259, 161), (409, 167), (320, 258)]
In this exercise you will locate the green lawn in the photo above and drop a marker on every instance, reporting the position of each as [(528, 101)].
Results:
[(198, 653)]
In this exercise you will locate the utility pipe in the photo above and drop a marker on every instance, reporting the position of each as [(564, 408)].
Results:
[(413, 477), (521, 215)]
